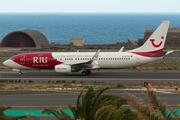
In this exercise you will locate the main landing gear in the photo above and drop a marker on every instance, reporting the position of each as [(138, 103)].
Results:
[(86, 72)]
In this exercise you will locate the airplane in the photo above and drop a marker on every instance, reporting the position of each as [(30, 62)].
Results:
[(84, 62)]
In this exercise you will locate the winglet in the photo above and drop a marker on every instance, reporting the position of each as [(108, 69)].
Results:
[(95, 57), (162, 54)]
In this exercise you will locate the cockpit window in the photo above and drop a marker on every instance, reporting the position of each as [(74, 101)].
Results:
[(12, 58)]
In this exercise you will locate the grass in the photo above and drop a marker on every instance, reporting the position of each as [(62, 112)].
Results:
[(1, 65), (28, 86), (160, 65), (67, 86)]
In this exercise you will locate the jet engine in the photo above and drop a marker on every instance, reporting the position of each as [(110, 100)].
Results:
[(63, 68)]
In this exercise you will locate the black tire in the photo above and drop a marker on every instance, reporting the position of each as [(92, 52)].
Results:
[(83, 73), (88, 72), (20, 73)]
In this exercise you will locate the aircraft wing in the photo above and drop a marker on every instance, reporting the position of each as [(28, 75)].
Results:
[(91, 64), (121, 50)]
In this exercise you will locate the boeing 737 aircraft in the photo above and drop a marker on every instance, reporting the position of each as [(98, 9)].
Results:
[(67, 62)]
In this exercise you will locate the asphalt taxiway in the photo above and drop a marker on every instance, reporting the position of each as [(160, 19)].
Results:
[(61, 98), (112, 77)]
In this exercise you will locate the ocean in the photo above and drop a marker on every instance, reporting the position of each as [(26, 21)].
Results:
[(94, 28)]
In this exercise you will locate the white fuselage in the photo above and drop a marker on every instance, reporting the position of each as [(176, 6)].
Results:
[(105, 59)]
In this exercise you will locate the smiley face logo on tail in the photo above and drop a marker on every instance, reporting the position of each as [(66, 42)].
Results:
[(157, 45)]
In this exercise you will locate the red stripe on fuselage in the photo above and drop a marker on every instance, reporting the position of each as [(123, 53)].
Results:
[(37, 60), (148, 54)]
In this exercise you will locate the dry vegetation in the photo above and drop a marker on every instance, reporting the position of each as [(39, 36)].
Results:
[(160, 65), (21, 86)]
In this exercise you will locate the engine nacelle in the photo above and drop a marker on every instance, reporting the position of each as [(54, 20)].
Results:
[(16, 70), (63, 68)]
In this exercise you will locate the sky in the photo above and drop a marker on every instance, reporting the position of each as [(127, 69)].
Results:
[(89, 6)]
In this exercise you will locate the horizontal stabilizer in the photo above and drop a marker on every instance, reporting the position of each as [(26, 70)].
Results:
[(169, 52), (162, 54)]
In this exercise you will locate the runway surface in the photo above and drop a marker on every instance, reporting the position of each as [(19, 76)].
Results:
[(61, 99), (119, 74), (128, 77)]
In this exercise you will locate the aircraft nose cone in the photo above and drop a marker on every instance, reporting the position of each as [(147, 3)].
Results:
[(6, 63)]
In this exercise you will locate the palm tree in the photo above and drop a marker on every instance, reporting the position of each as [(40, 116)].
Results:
[(154, 110), (88, 104), (111, 112), (77, 110), (4, 117), (59, 114), (95, 105)]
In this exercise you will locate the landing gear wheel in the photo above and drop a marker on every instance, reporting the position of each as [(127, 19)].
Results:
[(88, 72), (20, 73), (83, 73)]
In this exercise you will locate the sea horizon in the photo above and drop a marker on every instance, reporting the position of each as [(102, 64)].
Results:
[(95, 28)]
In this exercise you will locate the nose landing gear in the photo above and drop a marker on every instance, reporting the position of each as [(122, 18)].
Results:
[(20, 73), (17, 70)]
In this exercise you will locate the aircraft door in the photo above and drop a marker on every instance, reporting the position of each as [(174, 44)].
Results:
[(137, 60), (22, 59)]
